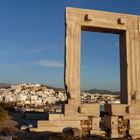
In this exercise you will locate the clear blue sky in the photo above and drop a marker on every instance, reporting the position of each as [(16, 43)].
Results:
[(32, 43)]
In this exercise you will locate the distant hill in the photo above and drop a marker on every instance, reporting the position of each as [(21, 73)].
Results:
[(5, 85), (94, 91)]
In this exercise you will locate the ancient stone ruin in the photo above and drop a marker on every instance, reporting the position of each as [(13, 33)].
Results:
[(121, 119)]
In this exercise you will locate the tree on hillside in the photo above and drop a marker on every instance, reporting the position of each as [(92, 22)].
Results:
[(3, 114)]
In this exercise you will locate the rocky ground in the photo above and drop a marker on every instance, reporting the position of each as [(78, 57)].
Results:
[(12, 124)]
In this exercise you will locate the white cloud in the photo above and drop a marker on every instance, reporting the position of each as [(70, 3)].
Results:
[(53, 63), (4, 52), (8, 66), (50, 63), (45, 48)]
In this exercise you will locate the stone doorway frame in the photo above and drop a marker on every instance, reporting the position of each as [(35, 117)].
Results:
[(128, 26)]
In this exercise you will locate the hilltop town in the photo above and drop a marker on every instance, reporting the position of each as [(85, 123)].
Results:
[(39, 95), (31, 94)]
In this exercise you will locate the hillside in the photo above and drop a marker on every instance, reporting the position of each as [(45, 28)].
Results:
[(94, 91), (5, 85)]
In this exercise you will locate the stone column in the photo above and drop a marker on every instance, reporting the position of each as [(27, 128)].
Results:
[(72, 59)]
